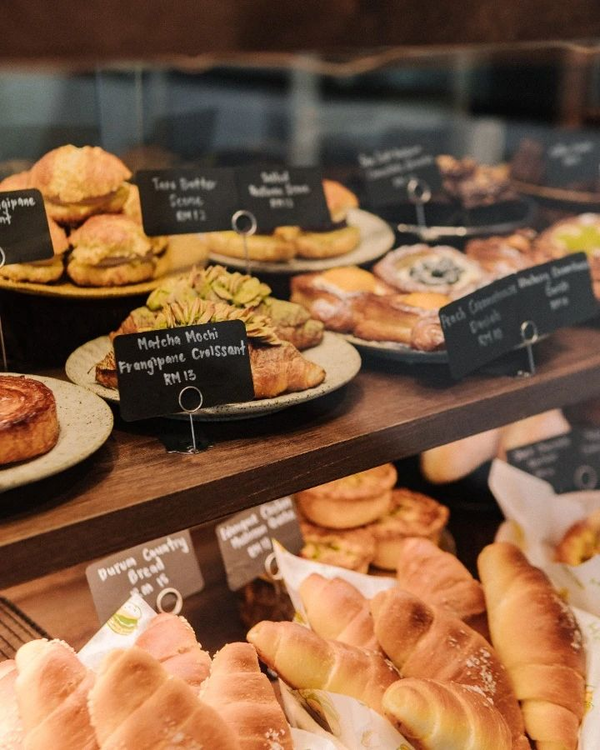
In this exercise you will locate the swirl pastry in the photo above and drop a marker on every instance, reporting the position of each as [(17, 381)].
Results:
[(420, 268), (28, 419)]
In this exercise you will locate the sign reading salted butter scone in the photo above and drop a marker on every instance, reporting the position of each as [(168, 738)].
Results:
[(24, 232), (165, 563), (245, 539), (517, 309), (183, 201), (286, 196), (182, 369)]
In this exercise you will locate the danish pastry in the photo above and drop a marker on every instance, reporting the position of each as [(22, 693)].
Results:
[(501, 256)]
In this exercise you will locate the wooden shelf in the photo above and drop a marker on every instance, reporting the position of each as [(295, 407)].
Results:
[(131, 490)]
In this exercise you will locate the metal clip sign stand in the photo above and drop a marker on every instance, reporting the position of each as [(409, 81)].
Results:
[(2, 345), (419, 194), (244, 223), (585, 478), (529, 335), (193, 448), (177, 606)]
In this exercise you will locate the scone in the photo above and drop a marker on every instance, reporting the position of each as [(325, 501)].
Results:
[(334, 296), (353, 549), (420, 268), (80, 182), (110, 250), (277, 247), (132, 208), (581, 542), (41, 271), (412, 514), (501, 256), (352, 501)]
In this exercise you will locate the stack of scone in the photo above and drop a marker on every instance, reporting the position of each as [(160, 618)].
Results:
[(360, 520)]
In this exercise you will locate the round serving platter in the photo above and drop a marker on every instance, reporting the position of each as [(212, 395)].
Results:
[(376, 239), (398, 352), (336, 356), (85, 422), (560, 195)]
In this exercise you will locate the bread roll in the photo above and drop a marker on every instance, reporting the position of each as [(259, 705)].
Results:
[(531, 430), (11, 728), (451, 462)]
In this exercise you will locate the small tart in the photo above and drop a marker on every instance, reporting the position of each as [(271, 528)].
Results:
[(28, 419), (581, 542), (359, 486), (353, 549)]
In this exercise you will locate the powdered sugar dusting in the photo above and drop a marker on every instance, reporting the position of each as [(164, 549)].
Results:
[(480, 668)]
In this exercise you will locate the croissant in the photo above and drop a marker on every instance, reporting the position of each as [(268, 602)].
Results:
[(441, 580), (336, 610), (52, 690), (305, 660), (282, 369), (245, 700), (427, 643), (171, 641), (11, 728), (445, 716), (136, 705), (538, 639)]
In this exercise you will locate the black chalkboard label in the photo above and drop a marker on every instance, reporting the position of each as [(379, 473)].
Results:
[(481, 326), (245, 539), (571, 158), (287, 196), (24, 233), (157, 369), (183, 201), (387, 172), (148, 569)]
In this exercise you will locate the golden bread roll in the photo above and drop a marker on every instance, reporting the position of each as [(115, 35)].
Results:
[(411, 514), (538, 639), (543, 426), (28, 419), (581, 541), (277, 247), (11, 727), (338, 611), (436, 715), (353, 549), (425, 642), (451, 462), (305, 660), (243, 696)]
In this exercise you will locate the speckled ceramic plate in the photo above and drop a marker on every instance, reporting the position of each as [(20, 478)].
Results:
[(398, 352), (85, 423), (336, 356), (376, 239)]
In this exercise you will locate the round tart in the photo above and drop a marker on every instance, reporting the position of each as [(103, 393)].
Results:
[(28, 419), (353, 549), (581, 542)]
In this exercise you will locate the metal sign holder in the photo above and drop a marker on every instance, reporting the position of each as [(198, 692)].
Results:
[(238, 220), (193, 448), (529, 336), (177, 607), (419, 194)]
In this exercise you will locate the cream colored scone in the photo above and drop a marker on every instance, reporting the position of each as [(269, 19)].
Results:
[(538, 639), (277, 247), (110, 250), (11, 727), (353, 549), (411, 514), (435, 715), (42, 271), (80, 182), (451, 462), (330, 244), (304, 660)]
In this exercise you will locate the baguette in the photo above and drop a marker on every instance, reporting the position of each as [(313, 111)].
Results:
[(244, 698), (538, 639), (305, 660), (11, 728), (424, 642), (336, 610), (445, 716)]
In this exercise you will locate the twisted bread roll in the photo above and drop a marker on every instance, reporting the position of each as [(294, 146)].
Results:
[(244, 698), (136, 705), (441, 580), (11, 729), (336, 610), (171, 641), (424, 642), (445, 716), (539, 641), (305, 660), (52, 690)]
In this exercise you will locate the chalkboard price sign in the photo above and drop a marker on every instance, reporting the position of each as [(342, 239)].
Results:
[(24, 233)]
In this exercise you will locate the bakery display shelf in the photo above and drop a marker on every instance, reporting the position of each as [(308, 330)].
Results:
[(132, 490), (16, 628)]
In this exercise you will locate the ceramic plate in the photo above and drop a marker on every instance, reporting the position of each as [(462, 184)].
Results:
[(85, 422), (376, 239), (338, 358), (398, 352)]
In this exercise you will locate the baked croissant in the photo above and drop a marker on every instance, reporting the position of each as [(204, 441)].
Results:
[(445, 716), (337, 610), (52, 690), (136, 705), (244, 698), (538, 640), (11, 728), (172, 642), (425, 642), (305, 660)]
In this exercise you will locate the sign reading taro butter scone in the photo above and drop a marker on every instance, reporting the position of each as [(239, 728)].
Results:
[(164, 563), (285, 196), (388, 171), (183, 201), (24, 232), (181, 369), (245, 539)]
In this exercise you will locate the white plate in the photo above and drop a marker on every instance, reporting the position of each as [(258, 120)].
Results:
[(398, 352), (336, 356), (85, 423), (376, 239)]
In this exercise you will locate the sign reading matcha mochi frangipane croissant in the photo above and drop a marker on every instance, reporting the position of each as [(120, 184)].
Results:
[(24, 232), (179, 369)]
